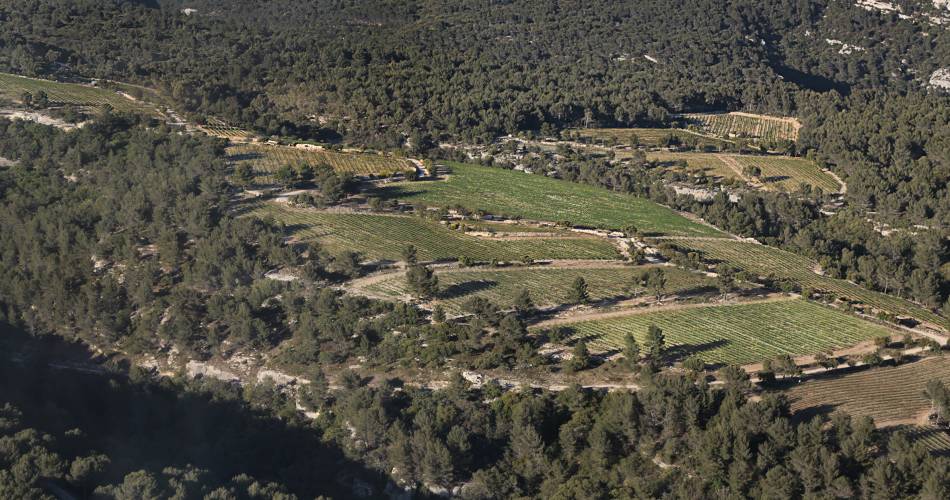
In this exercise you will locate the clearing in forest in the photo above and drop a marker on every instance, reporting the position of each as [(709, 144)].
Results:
[(747, 125), (13, 87), (384, 237), (218, 128), (764, 260), (265, 159), (737, 333), (548, 286), (510, 193), (890, 395), (783, 173)]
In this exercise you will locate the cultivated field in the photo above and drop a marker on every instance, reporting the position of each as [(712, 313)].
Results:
[(649, 137), (788, 173), (765, 260), (218, 128), (86, 96), (778, 172), (890, 395), (934, 439), (385, 236), (767, 128), (266, 159), (740, 334), (548, 286), (520, 195)]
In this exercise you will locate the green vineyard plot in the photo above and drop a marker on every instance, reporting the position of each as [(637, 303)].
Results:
[(218, 128), (517, 194), (385, 236), (736, 334), (266, 159), (547, 286), (86, 96), (768, 128), (887, 394), (778, 172), (787, 173), (765, 260)]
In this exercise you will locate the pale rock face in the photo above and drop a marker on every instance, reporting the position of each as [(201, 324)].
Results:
[(941, 78)]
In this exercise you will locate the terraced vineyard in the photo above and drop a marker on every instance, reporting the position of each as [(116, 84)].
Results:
[(651, 137), (768, 128), (887, 394), (517, 194), (934, 439), (765, 260), (778, 172), (787, 173), (266, 159), (708, 163), (218, 128), (547, 286), (13, 87), (385, 236), (742, 333)]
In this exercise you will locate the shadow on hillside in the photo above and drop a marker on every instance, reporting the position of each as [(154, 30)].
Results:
[(151, 425), (391, 192), (823, 411), (464, 288), (683, 351), (245, 157)]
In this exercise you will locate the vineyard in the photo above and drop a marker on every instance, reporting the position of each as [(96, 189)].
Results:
[(86, 96), (385, 236), (547, 286), (778, 172), (710, 164), (787, 173), (218, 128), (266, 159), (765, 260), (887, 394), (933, 438), (767, 128), (736, 334), (520, 195), (649, 137)]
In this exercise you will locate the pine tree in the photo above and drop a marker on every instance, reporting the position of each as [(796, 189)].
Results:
[(578, 293), (410, 255), (655, 342), (523, 303), (581, 357), (422, 282), (631, 350)]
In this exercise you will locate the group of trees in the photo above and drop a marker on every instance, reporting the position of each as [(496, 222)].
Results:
[(119, 234)]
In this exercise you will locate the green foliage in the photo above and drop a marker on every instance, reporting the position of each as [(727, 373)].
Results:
[(578, 293), (422, 281)]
